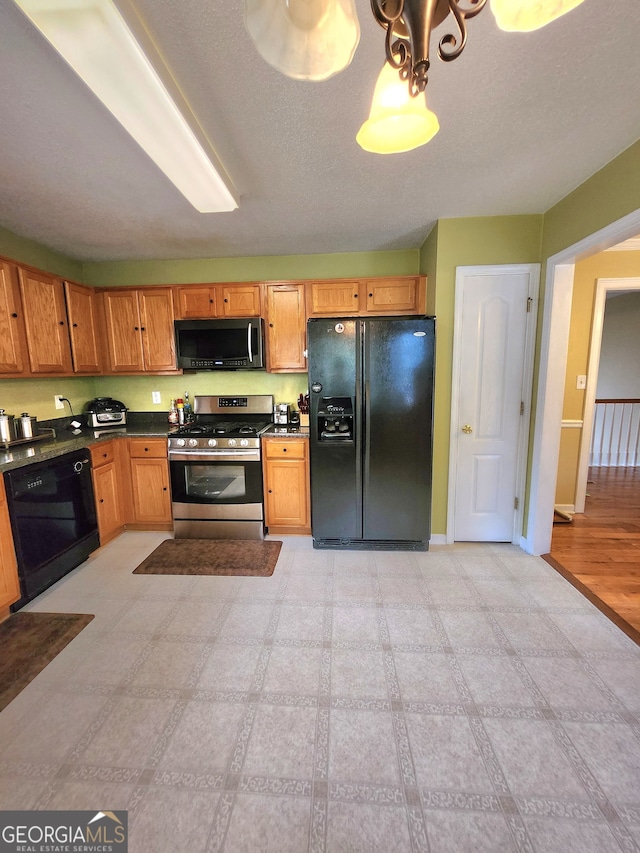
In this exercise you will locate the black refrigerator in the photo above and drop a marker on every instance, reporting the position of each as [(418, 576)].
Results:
[(370, 419)]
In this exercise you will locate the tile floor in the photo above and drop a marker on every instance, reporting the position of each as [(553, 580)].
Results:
[(464, 700)]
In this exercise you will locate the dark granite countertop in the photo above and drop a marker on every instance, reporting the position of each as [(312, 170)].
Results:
[(288, 431), (66, 440)]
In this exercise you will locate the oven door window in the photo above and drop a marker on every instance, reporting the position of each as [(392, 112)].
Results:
[(216, 482)]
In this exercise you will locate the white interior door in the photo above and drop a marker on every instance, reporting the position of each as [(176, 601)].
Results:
[(493, 348)]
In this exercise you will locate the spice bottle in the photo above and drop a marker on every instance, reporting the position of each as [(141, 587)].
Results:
[(173, 413), (188, 412), (180, 408)]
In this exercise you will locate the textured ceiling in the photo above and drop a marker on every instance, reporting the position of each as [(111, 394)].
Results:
[(524, 120)]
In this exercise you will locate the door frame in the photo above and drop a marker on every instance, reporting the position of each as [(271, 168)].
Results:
[(552, 369), (462, 272), (603, 286)]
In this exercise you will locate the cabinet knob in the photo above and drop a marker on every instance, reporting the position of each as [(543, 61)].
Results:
[(146, 450), (101, 500), (136, 329), (211, 301), (271, 325), (225, 299), (14, 314), (164, 488), (284, 449), (75, 325), (142, 328), (62, 322), (270, 491), (105, 455), (355, 295), (370, 295)]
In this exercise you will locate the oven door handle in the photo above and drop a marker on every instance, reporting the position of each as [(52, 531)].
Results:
[(214, 455), (249, 343)]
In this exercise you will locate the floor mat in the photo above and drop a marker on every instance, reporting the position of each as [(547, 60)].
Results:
[(29, 641), (212, 557)]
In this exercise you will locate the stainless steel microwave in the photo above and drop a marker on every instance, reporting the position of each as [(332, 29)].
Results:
[(220, 344)]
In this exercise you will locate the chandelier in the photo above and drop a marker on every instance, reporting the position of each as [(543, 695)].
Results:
[(315, 39)]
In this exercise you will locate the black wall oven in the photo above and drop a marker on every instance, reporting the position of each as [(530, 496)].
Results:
[(53, 518)]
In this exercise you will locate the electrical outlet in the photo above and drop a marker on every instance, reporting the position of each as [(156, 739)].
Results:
[(581, 383), (58, 401), (155, 397)]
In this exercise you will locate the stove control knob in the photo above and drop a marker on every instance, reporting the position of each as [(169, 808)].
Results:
[(232, 442), (244, 442), (193, 442), (212, 442), (180, 442)]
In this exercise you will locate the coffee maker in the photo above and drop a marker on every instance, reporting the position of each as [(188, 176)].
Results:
[(281, 414)]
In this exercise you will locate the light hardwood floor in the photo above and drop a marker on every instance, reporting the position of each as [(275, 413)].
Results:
[(599, 552)]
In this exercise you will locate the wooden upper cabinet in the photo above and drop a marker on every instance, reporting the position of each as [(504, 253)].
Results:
[(394, 295), (366, 297), (139, 329), (239, 300), (333, 298), (156, 316), (204, 301), (13, 339), (193, 302), (46, 322), (84, 327), (286, 332), (124, 339)]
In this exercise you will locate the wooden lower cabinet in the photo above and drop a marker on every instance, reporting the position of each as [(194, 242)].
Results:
[(286, 485), (9, 583), (150, 483), (109, 488)]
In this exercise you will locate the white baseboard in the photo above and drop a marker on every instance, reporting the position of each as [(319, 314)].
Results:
[(570, 508), (438, 539)]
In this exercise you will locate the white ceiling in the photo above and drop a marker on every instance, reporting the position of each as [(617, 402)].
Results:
[(524, 120)]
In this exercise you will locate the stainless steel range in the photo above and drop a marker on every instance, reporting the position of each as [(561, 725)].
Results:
[(216, 468)]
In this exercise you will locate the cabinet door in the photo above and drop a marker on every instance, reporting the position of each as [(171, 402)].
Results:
[(286, 486), (151, 498), (46, 322), (286, 328), (124, 338), (193, 303), (13, 339), (156, 317), (108, 502), (9, 583), (333, 298), (393, 295), (239, 300), (82, 312)]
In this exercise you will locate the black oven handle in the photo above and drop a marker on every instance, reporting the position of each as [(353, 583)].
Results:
[(214, 455)]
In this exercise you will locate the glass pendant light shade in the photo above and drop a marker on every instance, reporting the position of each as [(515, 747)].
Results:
[(397, 122), (304, 39), (526, 15)]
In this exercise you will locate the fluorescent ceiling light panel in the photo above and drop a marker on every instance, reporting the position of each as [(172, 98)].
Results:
[(92, 36)]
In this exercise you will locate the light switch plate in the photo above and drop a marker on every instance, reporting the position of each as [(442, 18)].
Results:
[(581, 383), (155, 397)]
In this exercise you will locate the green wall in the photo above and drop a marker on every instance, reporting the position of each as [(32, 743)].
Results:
[(27, 252), (465, 242), (608, 195), (268, 268), (36, 396)]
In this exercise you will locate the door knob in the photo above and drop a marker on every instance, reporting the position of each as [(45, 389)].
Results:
[(467, 428)]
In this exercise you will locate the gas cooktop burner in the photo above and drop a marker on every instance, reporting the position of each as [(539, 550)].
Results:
[(227, 428)]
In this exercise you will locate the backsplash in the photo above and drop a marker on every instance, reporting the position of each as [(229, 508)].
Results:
[(36, 396)]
